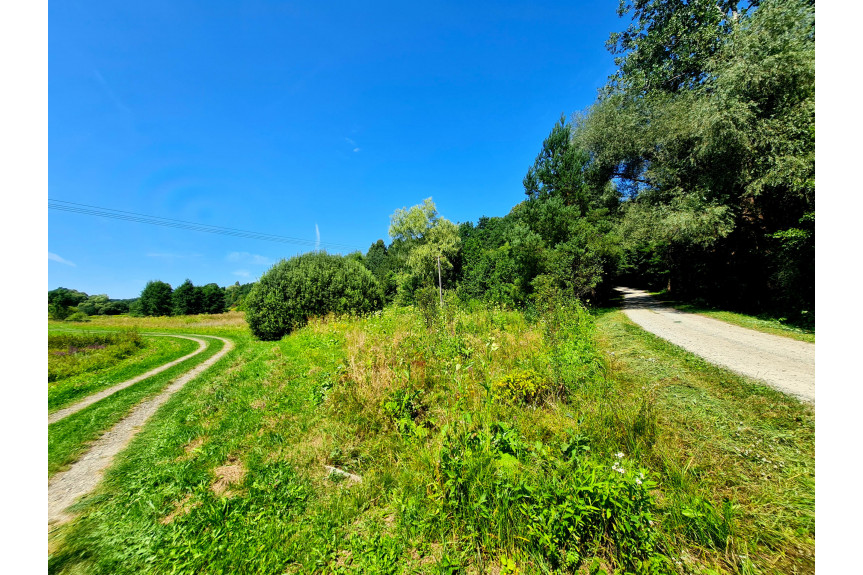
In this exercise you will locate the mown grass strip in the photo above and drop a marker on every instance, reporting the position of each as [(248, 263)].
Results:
[(159, 351), (736, 457), (68, 438)]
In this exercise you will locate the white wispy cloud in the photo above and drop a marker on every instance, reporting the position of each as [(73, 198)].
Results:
[(317, 238), (353, 143), (242, 273), (249, 259), (55, 258)]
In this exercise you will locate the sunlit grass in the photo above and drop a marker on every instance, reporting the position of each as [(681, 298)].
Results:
[(231, 474), (154, 352), (68, 438)]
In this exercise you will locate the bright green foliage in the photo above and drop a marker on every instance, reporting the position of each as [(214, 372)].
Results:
[(502, 257), (94, 304), (186, 299), (708, 130), (553, 501), (156, 299), (522, 386), (78, 316), (378, 261), (313, 284), (235, 295), (424, 240), (668, 44), (557, 170), (413, 224)]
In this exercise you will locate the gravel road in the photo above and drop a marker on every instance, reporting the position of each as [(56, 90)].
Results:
[(782, 363), (66, 487)]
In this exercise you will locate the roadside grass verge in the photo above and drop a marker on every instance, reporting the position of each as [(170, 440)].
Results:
[(764, 323), (485, 443), (69, 437), (736, 457), (156, 351)]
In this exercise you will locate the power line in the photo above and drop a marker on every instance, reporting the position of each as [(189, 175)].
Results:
[(87, 209)]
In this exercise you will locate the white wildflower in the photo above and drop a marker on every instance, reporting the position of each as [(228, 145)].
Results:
[(619, 455)]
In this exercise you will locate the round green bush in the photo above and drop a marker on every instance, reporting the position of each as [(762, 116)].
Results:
[(309, 285), (78, 316)]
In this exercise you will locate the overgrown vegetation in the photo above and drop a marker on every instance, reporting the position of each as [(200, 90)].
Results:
[(70, 354), (634, 456), (693, 172), (496, 425)]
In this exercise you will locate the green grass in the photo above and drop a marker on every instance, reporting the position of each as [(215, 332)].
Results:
[(155, 352), (764, 323), (69, 437), (229, 475), (741, 447)]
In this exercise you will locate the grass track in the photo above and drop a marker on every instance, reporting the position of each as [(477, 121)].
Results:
[(158, 351), (69, 437)]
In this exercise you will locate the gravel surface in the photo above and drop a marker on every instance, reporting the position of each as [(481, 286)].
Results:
[(66, 487), (91, 399), (782, 363)]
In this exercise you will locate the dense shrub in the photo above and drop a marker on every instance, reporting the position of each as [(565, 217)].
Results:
[(78, 316), (312, 284)]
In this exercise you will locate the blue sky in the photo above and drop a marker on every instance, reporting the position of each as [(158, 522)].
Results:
[(279, 117)]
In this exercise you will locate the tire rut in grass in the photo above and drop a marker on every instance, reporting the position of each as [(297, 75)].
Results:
[(82, 477), (91, 399)]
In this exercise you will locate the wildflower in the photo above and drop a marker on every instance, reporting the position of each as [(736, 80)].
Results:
[(619, 455), (638, 481)]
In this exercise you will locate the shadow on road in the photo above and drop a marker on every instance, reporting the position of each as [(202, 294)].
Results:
[(637, 299)]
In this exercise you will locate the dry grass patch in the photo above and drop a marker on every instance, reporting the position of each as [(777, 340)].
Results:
[(181, 507), (191, 448), (228, 475)]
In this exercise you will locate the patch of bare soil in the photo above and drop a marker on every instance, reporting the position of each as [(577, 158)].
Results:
[(181, 507)]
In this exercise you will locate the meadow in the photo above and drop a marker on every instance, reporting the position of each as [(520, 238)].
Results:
[(486, 440)]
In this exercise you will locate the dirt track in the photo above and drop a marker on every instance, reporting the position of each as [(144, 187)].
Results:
[(782, 363), (91, 399), (66, 487)]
